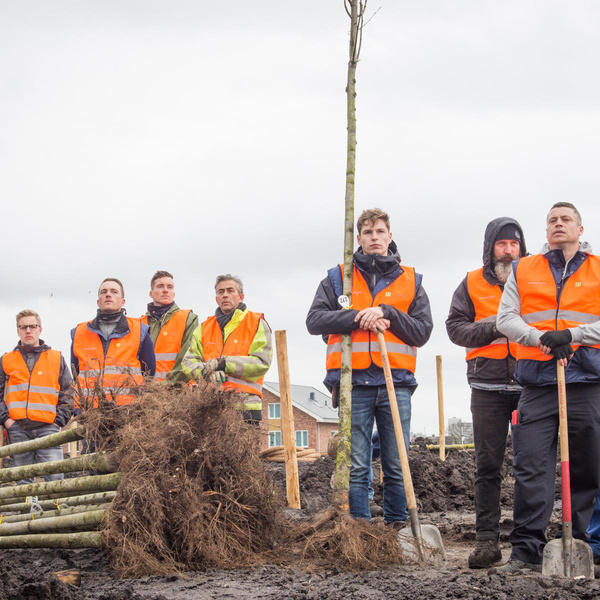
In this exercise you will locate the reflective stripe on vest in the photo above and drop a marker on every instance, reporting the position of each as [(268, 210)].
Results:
[(116, 372), (486, 299), (579, 299), (365, 348), (168, 342), (237, 344), (32, 395)]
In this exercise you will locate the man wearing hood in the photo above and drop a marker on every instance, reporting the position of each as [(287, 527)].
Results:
[(233, 348), (490, 372), (386, 297), (38, 399), (550, 308), (111, 354), (171, 328)]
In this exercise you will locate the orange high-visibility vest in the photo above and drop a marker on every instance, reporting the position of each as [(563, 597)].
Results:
[(32, 395), (117, 371), (579, 301), (365, 348), (168, 342), (486, 299), (237, 344)]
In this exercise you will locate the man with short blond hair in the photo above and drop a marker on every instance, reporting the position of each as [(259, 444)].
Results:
[(233, 348), (171, 328), (38, 399), (550, 307), (111, 353), (387, 297)]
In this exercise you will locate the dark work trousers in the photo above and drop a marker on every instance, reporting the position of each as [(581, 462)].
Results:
[(535, 443), (491, 415)]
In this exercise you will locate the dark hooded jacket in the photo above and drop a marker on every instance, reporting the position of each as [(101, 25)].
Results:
[(464, 331), (412, 327)]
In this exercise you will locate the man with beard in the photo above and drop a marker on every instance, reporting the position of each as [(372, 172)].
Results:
[(490, 373), (550, 307), (386, 297)]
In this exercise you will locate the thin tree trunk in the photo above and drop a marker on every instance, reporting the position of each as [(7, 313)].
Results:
[(87, 462), (81, 539), (49, 441), (61, 512), (50, 501), (86, 520), (355, 9), (93, 483)]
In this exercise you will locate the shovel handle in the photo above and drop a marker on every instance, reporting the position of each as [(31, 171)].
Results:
[(389, 382), (564, 444)]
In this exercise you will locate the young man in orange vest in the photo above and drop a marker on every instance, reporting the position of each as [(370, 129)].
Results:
[(490, 373), (111, 354), (386, 297), (171, 328), (551, 308), (232, 348), (38, 390)]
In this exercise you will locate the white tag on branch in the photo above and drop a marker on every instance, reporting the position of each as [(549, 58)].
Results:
[(344, 301)]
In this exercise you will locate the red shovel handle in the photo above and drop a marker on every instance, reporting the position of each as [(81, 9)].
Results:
[(564, 444)]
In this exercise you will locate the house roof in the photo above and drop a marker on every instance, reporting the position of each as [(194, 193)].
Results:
[(310, 400)]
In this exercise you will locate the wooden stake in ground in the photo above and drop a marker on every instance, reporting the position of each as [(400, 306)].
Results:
[(287, 422), (442, 421)]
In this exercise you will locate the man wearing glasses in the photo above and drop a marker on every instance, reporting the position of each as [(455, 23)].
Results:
[(38, 399)]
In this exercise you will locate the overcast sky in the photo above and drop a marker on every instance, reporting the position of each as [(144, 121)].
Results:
[(209, 137)]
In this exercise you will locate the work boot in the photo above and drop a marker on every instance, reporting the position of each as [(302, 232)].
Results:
[(376, 510), (514, 565), (486, 553)]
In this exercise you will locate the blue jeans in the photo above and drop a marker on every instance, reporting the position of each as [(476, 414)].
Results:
[(369, 404), (17, 434), (594, 527)]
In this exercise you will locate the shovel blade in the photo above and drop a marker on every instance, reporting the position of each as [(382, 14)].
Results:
[(556, 561), (430, 542)]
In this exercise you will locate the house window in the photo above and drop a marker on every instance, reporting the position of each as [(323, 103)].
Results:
[(302, 439), (274, 438), (274, 410)]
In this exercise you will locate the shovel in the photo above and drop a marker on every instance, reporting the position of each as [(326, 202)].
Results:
[(425, 539), (566, 556)]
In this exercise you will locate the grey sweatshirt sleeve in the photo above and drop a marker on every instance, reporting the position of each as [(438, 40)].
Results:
[(509, 320)]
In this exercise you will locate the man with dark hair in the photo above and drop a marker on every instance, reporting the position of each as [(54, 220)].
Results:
[(386, 297), (171, 328), (550, 307), (38, 400), (490, 372), (111, 354), (233, 348)]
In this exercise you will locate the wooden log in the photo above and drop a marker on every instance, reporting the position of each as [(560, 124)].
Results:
[(59, 512), (100, 461), (81, 539), (87, 520), (92, 483), (49, 441), (70, 576), (287, 422), (49, 503)]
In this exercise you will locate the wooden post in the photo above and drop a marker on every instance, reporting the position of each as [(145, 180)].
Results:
[(287, 422), (1, 444), (442, 422)]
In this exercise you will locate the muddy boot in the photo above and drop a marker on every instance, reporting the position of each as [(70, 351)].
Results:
[(485, 554), (376, 510)]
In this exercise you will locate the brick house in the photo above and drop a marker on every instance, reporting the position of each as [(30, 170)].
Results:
[(314, 419)]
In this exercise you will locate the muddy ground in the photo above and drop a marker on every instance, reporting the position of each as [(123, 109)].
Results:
[(445, 496)]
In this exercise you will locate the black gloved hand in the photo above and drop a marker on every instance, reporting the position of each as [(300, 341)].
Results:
[(552, 339), (562, 351), (497, 334)]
